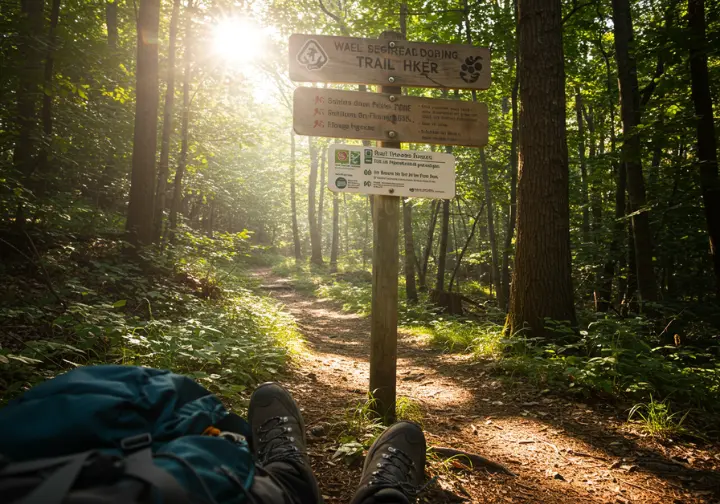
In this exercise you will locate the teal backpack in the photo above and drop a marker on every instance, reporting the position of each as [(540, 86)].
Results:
[(122, 434)]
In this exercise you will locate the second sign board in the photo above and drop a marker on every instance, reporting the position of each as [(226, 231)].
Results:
[(380, 170), (386, 117)]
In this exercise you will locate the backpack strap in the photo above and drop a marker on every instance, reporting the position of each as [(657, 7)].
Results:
[(140, 465), (56, 487)]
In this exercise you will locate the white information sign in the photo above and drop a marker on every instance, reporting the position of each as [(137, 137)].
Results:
[(396, 172)]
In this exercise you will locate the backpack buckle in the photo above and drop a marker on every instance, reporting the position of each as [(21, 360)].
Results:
[(134, 443)]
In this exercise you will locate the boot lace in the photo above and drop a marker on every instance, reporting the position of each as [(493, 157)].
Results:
[(276, 443), (396, 471)]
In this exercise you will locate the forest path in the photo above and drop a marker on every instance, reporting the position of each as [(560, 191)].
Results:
[(562, 451)]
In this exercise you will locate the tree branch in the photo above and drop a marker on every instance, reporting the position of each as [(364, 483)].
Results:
[(336, 18)]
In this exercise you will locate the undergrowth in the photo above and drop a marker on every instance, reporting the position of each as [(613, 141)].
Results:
[(186, 309)]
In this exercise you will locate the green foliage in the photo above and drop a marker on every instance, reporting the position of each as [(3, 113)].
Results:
[(614, 359), (198, 318)]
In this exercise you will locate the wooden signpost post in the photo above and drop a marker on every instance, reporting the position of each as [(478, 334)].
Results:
[(391, 118)]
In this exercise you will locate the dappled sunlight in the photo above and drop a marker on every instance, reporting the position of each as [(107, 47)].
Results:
[(560, 449)]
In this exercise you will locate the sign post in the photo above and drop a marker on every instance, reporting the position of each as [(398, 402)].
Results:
[(386, 172), (384, 313)]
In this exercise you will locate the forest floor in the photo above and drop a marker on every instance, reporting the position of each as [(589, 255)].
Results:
[(561, 451)]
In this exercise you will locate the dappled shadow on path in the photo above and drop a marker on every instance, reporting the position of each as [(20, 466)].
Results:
[(562, 451)]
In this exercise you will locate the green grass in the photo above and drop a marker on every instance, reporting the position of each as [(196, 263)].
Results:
[(657, 418)]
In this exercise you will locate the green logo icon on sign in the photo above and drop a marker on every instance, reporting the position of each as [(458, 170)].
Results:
[(342, 157), (368, 156), (355, 158), (340, 183)]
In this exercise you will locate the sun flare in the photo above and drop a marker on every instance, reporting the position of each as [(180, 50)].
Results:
[(238, 40)]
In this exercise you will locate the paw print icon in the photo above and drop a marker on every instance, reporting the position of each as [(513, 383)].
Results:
[(470, 70)]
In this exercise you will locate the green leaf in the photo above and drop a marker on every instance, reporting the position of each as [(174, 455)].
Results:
[(120, 303)]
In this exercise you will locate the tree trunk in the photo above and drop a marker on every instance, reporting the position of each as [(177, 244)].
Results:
[(410, 286), (185, 126), (29, 91), (293, 202), (142, 183), (542, 283), (315, 240), (706, 142), (321, 203), (368, 212), (442, 255), (335, 233), (583, 167), (46, 114), (164, 164), (111, 20), (632, 149), (513, 193), (422, 271), (491, 231), (346, 223)]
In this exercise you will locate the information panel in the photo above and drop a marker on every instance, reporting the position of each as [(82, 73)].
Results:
[(396, 172)]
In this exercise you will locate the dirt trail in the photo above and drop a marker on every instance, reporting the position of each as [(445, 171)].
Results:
[(562, 451)]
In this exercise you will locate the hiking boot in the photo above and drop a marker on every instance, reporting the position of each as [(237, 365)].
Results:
[(278, 429), (394, 468)]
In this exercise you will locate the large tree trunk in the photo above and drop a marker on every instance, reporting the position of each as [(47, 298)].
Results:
[(410, 286), (47, 114), (491, 231), (542, 283), (315, 239), (334, 248), (185, 126), (513, 193), (29, 91), (632, 149), (142, 183), (164, 164), (293, 201), (111, 20), (442, 255), (706, 144), (583, 166)]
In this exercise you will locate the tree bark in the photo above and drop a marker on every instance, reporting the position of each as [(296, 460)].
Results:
[(410, 285), (164, 164), (185, 126), (335, 246), (29, 91), (111, 21), (315, 240), (293, 201), (513, 192), (706, 141), (422, 271), (542, 283), (442, 255), (583, 167), (48, 95), (142, 183), (632, 149)]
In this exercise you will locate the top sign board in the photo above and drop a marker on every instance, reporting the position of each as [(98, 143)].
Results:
[(351, 60)]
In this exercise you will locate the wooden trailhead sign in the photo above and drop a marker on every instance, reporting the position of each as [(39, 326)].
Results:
[(388, 117), (351, 60), (393, 172)]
